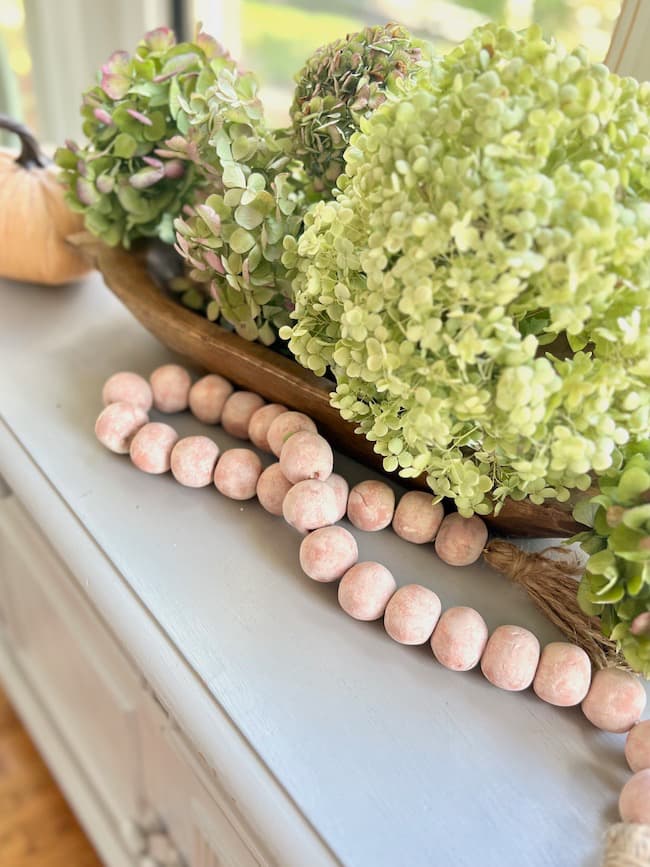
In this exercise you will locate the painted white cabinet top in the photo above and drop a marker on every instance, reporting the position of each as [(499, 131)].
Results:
[(393, 760)]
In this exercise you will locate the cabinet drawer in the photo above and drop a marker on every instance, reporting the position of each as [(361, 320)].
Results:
[(202, 821), (71, 660)]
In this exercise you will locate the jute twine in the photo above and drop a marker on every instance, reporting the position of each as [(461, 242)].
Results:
[(550, 579), (627, 845)]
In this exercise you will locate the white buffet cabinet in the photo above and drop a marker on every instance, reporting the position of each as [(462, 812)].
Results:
[(203, 704)]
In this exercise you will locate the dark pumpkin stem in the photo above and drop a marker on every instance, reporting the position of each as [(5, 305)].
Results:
[(30, 155)]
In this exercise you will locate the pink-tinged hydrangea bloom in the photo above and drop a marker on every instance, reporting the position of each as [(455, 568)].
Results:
[(115, 78), (160, 39)]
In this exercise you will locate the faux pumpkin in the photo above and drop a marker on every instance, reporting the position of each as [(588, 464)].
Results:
[(34, 218)]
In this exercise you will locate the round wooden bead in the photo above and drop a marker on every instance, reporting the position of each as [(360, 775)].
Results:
[(411, 614), (634, 803), (328, 553), (261, 420), (417, 518), (117, 424), (237, 473), (365, 589), (170, 385), (128, 387), (272, 488), (371, 505), (284, 426), (563, 674), (207, 398), (193, 460), (151, 447), (309, 505), (341, 490), (459, 638), (306, 455), (510, 658), (460, 541), (615, 700), (637, 747), (238, 411)]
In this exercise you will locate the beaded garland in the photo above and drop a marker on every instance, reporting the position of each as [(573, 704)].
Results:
[(313, 499)]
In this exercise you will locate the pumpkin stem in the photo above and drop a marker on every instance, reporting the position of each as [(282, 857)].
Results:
[(30, 155)]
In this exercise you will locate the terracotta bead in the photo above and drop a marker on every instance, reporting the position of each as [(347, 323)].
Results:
[(460, 541), (238, 411), (284, 426), (309, 505), (261, 421), (563, 674), (417, 518), (510, 658), (341, 490), (365, 589), (637, 747), (170, 385), (207, 398), (151, 448), (459, 638), (272, 488), (634, 803), (371, 505), (117, 424), (237, 473), (306, 455), (615, 701), (193, 460), (128, 387), (411, 614), (327, 553)]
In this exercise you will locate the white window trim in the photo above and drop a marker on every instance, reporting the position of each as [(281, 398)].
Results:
[(628, 51)]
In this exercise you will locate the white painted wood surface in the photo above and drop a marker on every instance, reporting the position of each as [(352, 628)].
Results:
[(331, 741)]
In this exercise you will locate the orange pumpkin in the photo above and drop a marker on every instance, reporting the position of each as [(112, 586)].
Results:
[(34, 218)]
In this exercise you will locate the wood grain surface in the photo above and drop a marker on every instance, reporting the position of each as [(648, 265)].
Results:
[(37, 828), (278, 379)]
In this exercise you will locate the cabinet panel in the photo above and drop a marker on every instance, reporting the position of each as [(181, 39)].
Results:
[(71, 660)]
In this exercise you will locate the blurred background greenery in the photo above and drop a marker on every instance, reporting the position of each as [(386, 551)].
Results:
[(276, 36)]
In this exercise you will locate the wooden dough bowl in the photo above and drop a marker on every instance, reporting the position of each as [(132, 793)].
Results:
[(277, 378)]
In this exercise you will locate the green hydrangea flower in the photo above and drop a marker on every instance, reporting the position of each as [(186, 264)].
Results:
[(233, 240), (480, 285), (616, 582), (121, 179), (341, 83)]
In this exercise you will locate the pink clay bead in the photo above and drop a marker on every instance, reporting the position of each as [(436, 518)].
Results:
[(341, 490), (272, 488), (365, 589), (128, 387), (510, 658), (151, 448), (309, 505), (193, 461), (117, 424), (615, 701), (563, 674), (306, 455), (417, 517), (634, 803), (328, 553), (208, 396), (460, 541), (237, 473), (261, 421), (284, 426), (411, 614), (637, 747), (459, 638), (238, 411), (170, 385), (371, 505)]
